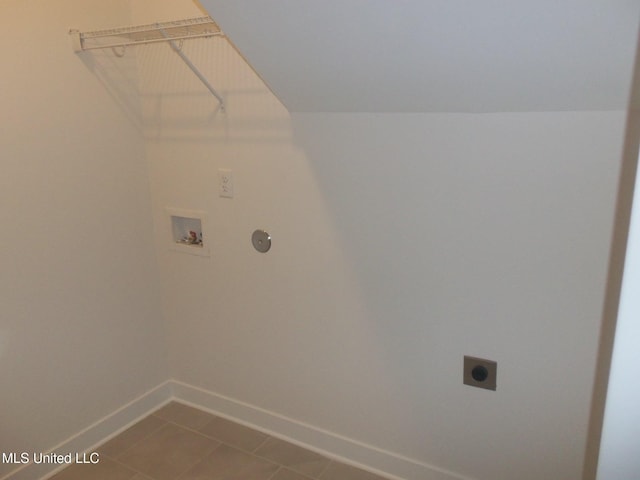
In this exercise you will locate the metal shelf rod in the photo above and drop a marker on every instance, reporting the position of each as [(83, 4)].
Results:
[(193, 68), (154, 40)]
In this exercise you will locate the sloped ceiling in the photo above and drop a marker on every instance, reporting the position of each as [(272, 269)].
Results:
[(437, 55)]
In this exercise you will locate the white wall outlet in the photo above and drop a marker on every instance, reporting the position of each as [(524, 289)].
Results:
[(225, 181)]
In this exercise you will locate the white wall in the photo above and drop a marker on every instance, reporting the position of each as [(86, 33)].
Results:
[(400, 244), (81, 331), (619, 453)]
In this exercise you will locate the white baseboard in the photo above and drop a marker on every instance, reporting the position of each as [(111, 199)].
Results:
[(329, 444), (99, 432)]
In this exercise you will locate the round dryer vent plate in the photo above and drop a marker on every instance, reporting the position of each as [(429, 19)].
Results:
[(261, 241)]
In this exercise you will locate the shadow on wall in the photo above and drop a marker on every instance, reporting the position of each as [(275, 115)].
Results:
[(118, 75)]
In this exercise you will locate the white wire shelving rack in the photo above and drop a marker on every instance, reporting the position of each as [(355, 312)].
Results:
[(174, 33)]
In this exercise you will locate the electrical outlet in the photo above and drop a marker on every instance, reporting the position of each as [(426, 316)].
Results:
[(225, 181), (479, 372)]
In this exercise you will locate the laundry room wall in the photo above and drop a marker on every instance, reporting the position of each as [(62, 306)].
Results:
[(81, 331), (400, 243)]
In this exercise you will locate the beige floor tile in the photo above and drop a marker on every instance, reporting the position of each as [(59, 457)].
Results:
[(131, 436), (105, 469), (295, 458), (168, 452), (228, 463), (286, 474), (340, 471), (234, 434), (179, 442), (184, 415)]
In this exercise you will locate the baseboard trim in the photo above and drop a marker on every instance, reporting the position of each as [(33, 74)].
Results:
[(358, 454), (329, 444), (99, 432)]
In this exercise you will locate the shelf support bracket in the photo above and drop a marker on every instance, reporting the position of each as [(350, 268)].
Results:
[(193, 68)]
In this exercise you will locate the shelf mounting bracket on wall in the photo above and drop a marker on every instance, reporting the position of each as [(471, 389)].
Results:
[(178, 30)]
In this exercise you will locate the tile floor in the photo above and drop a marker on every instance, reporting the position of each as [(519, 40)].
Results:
[(179, 442)]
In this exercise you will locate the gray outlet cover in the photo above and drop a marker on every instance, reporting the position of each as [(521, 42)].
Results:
[(480, 372)]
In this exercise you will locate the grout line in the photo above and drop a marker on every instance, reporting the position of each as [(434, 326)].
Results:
[(261, 443), (289, 467), (222, 442), (280, 467), (326, 467), (137, 472), (134, 443)]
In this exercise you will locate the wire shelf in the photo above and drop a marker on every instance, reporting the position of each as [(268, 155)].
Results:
[(141, 34), (177, 30)]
